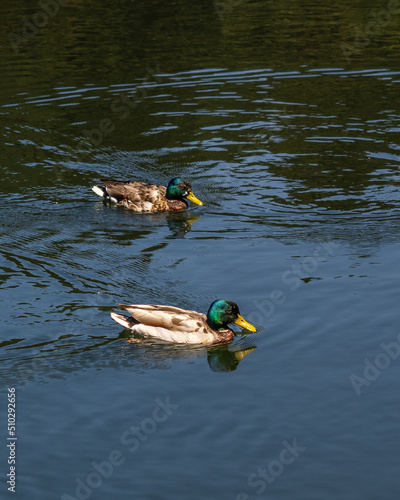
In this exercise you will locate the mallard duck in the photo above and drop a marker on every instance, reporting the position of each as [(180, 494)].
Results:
[(148, 197), (181, 326)]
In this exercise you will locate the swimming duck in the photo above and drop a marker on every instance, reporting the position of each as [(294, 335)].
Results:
[(148, 197), (181, 326)]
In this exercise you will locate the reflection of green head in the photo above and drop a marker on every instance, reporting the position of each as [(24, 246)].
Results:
[(223, 360), (223, 312), (178, 189)]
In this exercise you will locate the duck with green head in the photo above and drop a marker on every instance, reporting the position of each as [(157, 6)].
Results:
[(148, 197), (182, 326)]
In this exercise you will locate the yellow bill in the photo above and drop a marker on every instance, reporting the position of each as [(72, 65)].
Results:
[(243, 323), (193, 198)]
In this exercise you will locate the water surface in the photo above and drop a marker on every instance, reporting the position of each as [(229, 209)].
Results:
[(293, 147)]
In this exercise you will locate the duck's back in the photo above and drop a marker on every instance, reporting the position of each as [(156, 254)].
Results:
[(137, 196)]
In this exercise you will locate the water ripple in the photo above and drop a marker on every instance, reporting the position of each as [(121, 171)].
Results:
[(270, 156)]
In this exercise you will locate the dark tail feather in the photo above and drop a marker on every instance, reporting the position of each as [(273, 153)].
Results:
[(125, 321), (100, 191)]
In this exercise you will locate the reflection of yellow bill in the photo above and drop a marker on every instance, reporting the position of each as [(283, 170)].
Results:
[(243, 323), (239, 355), (193, 198)]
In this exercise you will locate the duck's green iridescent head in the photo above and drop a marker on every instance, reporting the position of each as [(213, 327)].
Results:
[(178, 189), (223, 312)]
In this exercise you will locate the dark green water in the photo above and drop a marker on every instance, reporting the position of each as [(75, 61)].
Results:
[(285, 116)]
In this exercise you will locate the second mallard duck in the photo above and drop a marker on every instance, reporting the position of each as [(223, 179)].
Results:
[(148, 197), (180, 326)]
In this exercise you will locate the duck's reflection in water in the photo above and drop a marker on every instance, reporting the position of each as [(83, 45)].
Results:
[(180, 224), (227, 359), (51, 361), (221, 358)]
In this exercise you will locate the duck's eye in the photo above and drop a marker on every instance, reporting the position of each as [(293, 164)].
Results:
[(229, 310)]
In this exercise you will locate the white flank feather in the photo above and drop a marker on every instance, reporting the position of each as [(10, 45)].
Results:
[(163, 333), (171, 336), (147, 206)]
